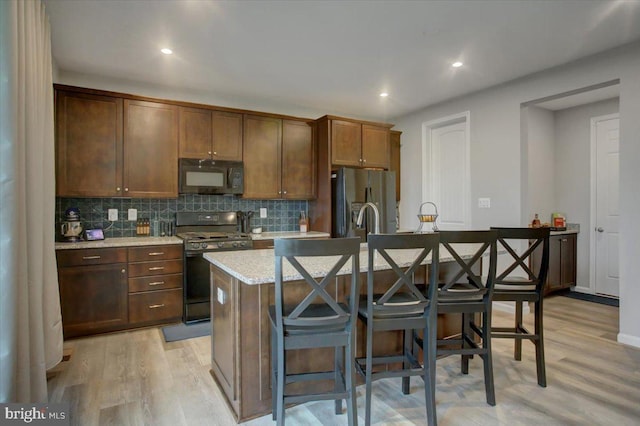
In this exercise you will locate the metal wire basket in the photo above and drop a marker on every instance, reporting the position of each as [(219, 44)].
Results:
[(427, 217)]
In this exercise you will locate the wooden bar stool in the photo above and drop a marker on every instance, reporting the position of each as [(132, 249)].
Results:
[(521, 289), (403, 306), (317, 320), (464, 291)]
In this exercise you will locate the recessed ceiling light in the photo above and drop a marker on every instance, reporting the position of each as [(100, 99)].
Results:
[(384, 94), (166, 51), (456, 64)]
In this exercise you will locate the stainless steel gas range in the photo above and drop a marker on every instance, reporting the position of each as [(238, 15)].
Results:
[(205, 232)]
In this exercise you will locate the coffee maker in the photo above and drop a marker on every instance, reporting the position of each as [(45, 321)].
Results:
[(71, 228)]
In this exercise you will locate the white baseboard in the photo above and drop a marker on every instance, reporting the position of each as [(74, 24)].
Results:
[(584, 290), (627, 339), (510, 307)]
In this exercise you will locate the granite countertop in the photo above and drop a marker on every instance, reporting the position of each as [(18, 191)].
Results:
[(119, 242), (258, 266), (289, 234)]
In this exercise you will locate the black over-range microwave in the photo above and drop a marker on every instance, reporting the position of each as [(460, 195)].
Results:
[(210, 176)]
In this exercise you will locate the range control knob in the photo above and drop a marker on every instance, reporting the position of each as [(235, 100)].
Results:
[(243, 243), (235, 244), (194, 245), (220, 244), (203, 245)]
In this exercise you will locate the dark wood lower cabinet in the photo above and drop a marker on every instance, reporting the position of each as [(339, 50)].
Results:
[(93, 298), (562, 262), (111, 289), (241, 349)]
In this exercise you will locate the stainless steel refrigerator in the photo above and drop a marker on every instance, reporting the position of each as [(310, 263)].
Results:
[(351, 188)]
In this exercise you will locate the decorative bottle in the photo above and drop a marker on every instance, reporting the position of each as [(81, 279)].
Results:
[(303, 222)]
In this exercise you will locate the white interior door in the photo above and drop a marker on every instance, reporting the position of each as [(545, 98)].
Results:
[(607, 201), (450, 175)]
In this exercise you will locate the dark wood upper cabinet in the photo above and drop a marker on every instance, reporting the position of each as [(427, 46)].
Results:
[(394, 166), (346, 137), (356, 144), (195, 132), (279, 158), (298, 160), (151, 149), (227, 136), (206, 133), (262, 156), (375, 146), (89, 159)]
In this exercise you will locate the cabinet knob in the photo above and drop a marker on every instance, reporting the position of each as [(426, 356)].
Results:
[(285, 192), (360, 160), (118, 189), (215, 152), (123, 271), (364, 160), (279, 192), (209, 152), (126, 190)]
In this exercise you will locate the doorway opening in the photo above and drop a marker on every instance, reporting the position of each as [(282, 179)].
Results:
[(559, 173)]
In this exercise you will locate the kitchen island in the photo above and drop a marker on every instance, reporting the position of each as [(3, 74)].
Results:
[(242, 288)]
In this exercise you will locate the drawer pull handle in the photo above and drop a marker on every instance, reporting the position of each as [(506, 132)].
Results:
[(157, 283), (157, 268), (564, 240), (90, 257), (156, 253), (156, 306)]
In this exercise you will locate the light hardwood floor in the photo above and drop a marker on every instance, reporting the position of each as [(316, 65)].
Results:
[(136, 378)]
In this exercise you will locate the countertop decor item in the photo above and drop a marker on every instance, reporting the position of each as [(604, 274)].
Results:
[(427, 217)]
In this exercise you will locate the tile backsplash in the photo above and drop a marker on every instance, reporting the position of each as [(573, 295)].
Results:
[(282, 215)]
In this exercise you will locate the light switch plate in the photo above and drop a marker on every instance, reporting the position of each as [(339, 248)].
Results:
[(112, 215), (220, 296), (132, 214), (263, 212), (484, 203)]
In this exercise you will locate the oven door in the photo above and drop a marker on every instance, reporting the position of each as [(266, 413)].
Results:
[(196, 288)]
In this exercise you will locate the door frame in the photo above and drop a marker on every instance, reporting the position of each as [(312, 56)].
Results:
[(427, 157), (593, 194)]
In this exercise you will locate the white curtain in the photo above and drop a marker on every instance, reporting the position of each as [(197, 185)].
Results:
[(30, 320)]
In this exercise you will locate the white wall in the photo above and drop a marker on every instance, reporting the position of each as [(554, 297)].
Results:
[(496, 155), (541, 174), (573, 172)]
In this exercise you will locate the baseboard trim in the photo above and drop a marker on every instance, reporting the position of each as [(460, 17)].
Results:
[(629, 340)]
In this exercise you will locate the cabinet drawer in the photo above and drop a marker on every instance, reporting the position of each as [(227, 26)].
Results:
[(155, 283), (143, 254), (155, 306), (91, 256), (143, 269)]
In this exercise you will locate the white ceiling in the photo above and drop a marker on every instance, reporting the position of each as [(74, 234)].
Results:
[(333, 56)]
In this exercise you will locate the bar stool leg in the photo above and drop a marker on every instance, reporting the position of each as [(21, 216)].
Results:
[(487, 358), (540, 368), (517, 353), (406, 341), (368, 379), (337, 367)]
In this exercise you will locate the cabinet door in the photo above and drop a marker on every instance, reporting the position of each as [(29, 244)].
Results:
[(88, 145), (195, 133), (375, 146), (93, 298), (394, 165), (227, 136), (553, 274), (151, 149), (346, 139), (261, 156), (298, 160), (568, 261)]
